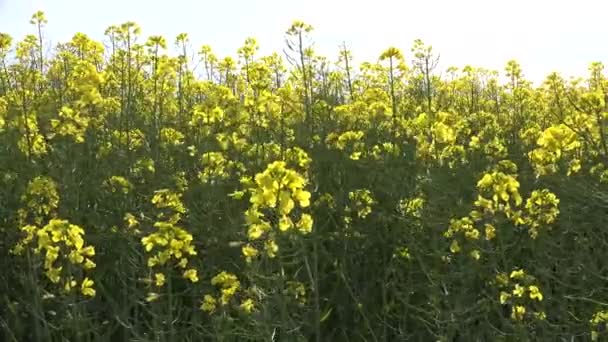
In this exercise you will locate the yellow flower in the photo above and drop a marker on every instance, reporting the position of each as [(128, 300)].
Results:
[(159, 279), (247, 305), (535, 293), (249, 252), (88, 251), (255, 231), (285, 223), (89, 264), (54, 274), (504, 296), (286, 204), (472, 234), (69, 285), (303, 197), (153, 261), (227, 294), (518, 312), (191, 274), (517, 274), (475, 254), (486, 181), (519, 290), (131, 220), (86, 287), (209, 303), (75, 257), (148, 243), (271, 248), (305, 224), (490, 231)]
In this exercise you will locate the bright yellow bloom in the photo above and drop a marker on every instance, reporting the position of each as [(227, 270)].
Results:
[(249, 252), (305, 224), (535, 293), (517, 274), (89, 264), (519, 290), (247, 305), (285, 223), (159, 279), (191, 275), (208, 304), (86, 287), (303, 198), (286, 204)]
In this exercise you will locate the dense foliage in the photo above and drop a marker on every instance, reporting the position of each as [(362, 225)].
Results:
[(151, 197)]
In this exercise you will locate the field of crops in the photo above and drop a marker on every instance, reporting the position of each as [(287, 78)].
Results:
[(149, 196)]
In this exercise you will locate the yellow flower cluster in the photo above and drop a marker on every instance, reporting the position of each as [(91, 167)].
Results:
[(361, 202), (171, 137), (63, 248), (228, 285), (70, 124), (599, 324), (31, 142), (541, 209), (170, 245), (170, 204), (40, 200), (370, 107), (118, 184), (143, 167), (437, 138), (600, 171), (520, 291), (466, 226), (275, 191), (499, 186), (384, 150), (349, 141), (200, 117), (553, 145), (85, 82), (231, 140), (499, 193), (128, 140), (215, 167), (411, 207)]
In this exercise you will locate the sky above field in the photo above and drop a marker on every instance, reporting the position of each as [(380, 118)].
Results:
[(543, 35)]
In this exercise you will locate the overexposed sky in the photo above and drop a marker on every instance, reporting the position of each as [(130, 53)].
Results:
[(543, 35)]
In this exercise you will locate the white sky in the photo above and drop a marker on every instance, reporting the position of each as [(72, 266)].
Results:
[(543, 35)]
